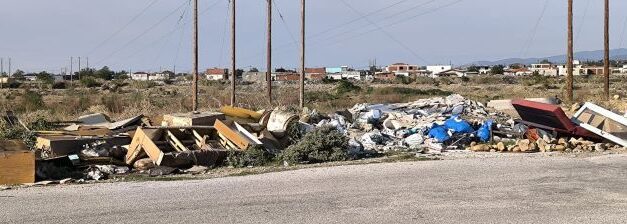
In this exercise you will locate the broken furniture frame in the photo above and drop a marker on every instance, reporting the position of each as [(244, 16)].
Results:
[(595, 119)]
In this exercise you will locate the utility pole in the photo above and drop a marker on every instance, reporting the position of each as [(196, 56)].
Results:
[(233, 65), (269, 52), (302, 55), (1, 66), (569, 54), (606, 69), (71, 69), (195, 59), (87, 58), (79, 68), (10, 67)]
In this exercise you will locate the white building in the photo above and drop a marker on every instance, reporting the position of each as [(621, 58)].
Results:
[(544, 69), (437, 69), (356, 75), (485, 70), (143, 76), (623, 70), (577, 69)]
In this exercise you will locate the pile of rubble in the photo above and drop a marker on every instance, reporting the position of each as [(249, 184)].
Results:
[(431, 125), (93, 147)]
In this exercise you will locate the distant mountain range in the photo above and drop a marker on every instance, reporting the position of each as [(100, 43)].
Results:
[(616, 54)]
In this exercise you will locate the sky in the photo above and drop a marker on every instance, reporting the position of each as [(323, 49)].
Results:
[(153, 35)]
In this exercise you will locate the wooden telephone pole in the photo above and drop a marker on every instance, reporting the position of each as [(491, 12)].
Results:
[(569, 54), (233, 65), (606, 69), (302, 55), (269, 52), (195, 59)]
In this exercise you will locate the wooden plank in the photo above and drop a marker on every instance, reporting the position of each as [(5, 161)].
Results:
[(17, 165), (176, 143), (143, 141), (230, 131)]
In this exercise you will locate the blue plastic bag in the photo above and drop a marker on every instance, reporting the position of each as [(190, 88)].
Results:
[(439, 133), (484, 131), (458, 125)]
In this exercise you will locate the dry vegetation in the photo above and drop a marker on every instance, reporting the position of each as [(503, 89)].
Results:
[(148, 98)]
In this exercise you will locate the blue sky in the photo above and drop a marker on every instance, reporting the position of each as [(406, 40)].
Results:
[(42, 35)]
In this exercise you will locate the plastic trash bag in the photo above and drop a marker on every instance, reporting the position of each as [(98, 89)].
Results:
[(458, 125), (439, 133), (484, 133)]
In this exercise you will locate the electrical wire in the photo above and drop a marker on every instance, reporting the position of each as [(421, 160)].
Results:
[(400, 43), (141, 34), (122, 28), (622, 35), (583, 20), (532, 36)]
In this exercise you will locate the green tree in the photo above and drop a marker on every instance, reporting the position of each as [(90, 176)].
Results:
[(497, 70), (545, 61), (45, 77), (473, 68), (19, 74), (104, 73)]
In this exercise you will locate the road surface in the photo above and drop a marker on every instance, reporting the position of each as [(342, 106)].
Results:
[(490, 190)]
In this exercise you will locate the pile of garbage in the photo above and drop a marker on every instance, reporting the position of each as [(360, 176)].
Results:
[(94, 148), (429, 125)]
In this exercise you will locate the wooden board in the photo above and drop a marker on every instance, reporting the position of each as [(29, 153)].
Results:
[(228, 130), (17, 165), (143, 140)]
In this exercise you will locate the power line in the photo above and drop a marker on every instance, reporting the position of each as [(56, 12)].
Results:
[(394, 23), (583, 20), (276, 7), (141, 34), (405, 47), (282, 47), (622, 35), (529, 42), (123, 27)]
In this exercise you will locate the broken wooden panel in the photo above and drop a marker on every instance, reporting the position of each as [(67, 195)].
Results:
[(191, 119), (143, 140), (17, 164), (171, 147), (236, 134), (55, 146), (603, 122)]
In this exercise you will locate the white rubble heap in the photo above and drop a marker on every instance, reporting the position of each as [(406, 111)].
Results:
[(404, 126)]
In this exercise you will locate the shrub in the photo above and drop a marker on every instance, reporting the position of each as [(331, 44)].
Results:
[(32, 101), (324, 144), (253, 156), (346, 87), (89, 82)]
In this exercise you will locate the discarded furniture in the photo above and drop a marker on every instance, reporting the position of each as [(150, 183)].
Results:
[(177, 146), (17, 164), (55, 146), (191, 119), (234, 136), (550, 118), (602, 122)]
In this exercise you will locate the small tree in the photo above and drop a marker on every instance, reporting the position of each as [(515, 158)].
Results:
[(497, 70), (45, 77), (473, 68), (19, 75)]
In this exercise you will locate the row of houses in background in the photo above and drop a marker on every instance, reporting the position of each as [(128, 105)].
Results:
[(386, 73), (402, 69)]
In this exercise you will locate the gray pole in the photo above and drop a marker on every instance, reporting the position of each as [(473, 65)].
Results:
[(233, 63), (569, 54), (72, 69), (10, 67), (269, 52), (302, 56), (606, 68), (195, 59), (79, 68)]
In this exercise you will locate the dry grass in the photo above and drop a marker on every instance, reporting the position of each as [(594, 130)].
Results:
[(138, 98)]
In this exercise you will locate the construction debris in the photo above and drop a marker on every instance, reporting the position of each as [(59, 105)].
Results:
[(95, 148)]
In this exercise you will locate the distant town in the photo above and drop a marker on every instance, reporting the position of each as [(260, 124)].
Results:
[(390, 72)]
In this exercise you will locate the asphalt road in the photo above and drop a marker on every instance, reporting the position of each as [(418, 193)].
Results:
[(495, 190)]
